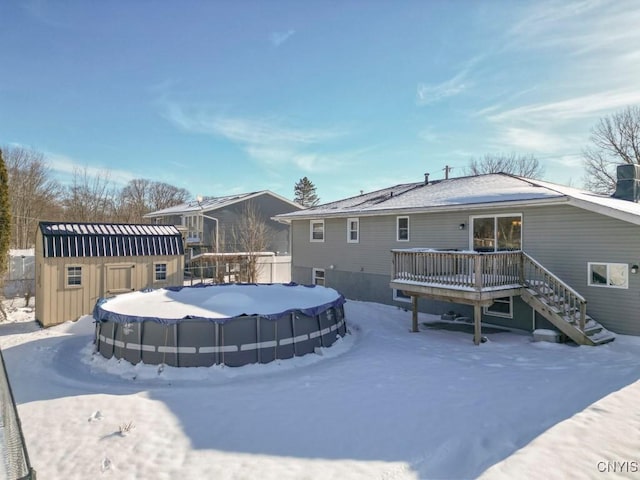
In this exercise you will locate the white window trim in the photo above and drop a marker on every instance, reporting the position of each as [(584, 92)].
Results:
[(495, 217), (155, 272), (66, 276), (313, 276), (357, 222), (608, 264), (398, 239), (311, 223), (400, 299), (488, 312)]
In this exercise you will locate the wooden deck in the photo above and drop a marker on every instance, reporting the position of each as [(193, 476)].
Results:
[(478, 278)]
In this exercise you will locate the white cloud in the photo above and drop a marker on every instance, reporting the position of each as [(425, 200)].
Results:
[(267, 141), (432, 93), (569, 109), (278, 38), (66, 167)]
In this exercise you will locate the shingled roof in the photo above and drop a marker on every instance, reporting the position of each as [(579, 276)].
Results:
[(109, 239)]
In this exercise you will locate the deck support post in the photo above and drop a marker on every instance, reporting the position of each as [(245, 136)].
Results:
[(477, 330), (414, 314)]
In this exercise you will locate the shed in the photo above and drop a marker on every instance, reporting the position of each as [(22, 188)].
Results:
[(78, 263)]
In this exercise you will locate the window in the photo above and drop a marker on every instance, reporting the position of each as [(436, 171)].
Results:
[(160, 272), (317, 230), (194, 228), (402, 229), (501, 307), (497, 233), (74, 276), (318, 276), (353, 230), (611, 275), (400, 296)]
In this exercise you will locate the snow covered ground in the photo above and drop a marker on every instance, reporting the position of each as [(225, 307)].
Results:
[(382, 403)]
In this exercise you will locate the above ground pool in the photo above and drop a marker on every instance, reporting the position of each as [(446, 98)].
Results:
[(234, 324)]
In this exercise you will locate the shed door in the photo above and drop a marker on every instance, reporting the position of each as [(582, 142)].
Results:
[(118, 278)]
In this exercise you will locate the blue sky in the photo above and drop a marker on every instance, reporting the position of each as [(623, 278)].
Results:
[(222, 97)]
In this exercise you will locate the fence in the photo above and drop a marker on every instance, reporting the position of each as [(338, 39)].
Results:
[(19, 281), (15, 464), (228, 269)]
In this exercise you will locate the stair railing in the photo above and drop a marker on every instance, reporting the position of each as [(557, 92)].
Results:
[(553, 291)]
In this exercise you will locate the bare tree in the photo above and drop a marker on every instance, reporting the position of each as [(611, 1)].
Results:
[(162, 195), (34, 193), (141, 196), (90, 198), (5, 233), (512, 163), (251, 235), (615, 141)]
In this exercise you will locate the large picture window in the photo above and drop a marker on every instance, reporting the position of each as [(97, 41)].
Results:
[(497, 233), (316, 230), (611, 275)]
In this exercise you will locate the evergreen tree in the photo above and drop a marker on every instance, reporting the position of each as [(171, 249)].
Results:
[(305, 193), (5, 223)]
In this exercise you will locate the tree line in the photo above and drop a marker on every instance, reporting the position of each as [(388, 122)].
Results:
[(34, 195)]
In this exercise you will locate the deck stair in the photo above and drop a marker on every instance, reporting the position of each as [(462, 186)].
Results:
[(560, 304), (478, 278)]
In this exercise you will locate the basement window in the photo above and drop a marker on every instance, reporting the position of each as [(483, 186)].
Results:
[(400, 296), (74, 276), (608, 275), (501, 307), (318, 276)]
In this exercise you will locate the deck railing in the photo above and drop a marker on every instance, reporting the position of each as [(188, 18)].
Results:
[(454, 269), (480, 271)]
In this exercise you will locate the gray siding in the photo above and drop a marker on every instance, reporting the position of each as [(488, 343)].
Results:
[(563, 238), (267, 207)]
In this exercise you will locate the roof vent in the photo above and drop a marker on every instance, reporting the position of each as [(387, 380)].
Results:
[(628, 183), (426, 179)]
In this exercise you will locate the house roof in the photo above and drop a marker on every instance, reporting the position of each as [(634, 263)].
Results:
[(109, 239), (215, 203), (467, 193)]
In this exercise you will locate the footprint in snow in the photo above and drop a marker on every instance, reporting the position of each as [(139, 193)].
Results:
[(97, 415), (106, 464)]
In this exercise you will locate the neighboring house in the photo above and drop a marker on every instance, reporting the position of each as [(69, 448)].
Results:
[(210, 222), (78, 263), (502, 249)]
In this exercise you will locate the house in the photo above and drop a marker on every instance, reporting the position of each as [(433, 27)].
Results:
[(497, 248), (210, 222), (78, 263)]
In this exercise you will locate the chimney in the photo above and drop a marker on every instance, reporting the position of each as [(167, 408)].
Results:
[(426, 179), (628, 183)]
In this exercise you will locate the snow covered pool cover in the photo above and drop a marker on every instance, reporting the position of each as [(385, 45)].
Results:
[(217, 303)]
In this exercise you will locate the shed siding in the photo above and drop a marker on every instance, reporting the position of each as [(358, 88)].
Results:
[(563, 238), (56, 302)]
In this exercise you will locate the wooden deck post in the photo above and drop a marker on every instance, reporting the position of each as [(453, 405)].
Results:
[(477, 330), (414, 313)]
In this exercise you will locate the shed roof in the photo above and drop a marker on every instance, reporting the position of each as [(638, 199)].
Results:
[(467, 193), (109, 239)]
